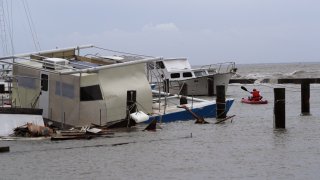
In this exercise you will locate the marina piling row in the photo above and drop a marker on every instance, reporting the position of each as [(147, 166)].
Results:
[(279, 103)]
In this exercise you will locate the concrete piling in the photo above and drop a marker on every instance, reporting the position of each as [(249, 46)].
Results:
[(221, 102), (305, 97), (279, 108)]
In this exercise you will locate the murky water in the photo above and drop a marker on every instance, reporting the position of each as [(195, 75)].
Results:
[(246, 148)]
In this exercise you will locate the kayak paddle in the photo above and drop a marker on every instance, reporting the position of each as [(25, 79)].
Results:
[(244, 88)]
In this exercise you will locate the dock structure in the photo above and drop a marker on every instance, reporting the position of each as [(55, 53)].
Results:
[(278, 81)]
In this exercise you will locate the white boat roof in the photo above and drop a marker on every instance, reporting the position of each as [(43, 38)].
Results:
[(71, 69), (177, 64)]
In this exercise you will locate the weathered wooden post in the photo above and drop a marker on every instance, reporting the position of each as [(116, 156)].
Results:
[(221, 102), (279, 108), (305, 97)]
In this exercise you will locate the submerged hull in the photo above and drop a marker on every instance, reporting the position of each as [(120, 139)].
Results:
[(205, 110), (247, 101)]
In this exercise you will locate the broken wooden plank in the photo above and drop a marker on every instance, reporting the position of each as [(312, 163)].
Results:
[(222, 120)]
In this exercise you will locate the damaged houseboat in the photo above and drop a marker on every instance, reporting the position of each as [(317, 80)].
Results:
[(77, 93), (79, 90)]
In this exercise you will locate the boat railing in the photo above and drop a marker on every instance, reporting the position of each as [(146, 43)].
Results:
[(224, 67)]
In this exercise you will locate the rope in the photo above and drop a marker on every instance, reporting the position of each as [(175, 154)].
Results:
[(31, 25), (122, 52)]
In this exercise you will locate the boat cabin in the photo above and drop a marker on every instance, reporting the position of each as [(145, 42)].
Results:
[(174, 69), (78, 93)]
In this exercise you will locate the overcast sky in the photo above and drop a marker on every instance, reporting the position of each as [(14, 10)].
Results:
[(205, 31)]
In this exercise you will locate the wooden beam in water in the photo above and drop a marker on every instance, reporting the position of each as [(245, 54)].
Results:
[(222, 120)]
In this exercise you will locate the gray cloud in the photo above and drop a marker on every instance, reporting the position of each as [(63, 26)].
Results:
[(205, 31)]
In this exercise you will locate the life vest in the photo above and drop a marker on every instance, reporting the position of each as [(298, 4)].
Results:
[(256, 95)]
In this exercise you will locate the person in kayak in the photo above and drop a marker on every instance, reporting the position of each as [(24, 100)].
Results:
[(255, 95)]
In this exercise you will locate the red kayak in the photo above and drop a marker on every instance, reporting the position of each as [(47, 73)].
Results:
[(246, 100)]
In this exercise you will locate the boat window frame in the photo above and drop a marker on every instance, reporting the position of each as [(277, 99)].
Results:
[(91, 93), (160, 65), (175, 75), (200, 73), (189, 74)]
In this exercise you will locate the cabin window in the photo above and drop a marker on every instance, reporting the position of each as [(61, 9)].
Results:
[(67, 90), (175, 75), (160, 65), (199, 73), (27, 82), (90, 93), (44, 82), (187, 74)]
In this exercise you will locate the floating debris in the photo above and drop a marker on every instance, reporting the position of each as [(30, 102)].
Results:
[(152, 126), (32, 130), (199, 119), (224, 119), (82, 133)]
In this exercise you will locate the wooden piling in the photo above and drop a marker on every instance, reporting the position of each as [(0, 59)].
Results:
[(305, 97), (4, 149), (221, 102), (279, 108)]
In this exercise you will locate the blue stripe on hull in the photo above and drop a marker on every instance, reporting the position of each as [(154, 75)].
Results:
[(208, 111)]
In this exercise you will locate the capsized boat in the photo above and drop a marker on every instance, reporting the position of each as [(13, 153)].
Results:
[(248, 101), (169, 108), (180, 78)]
